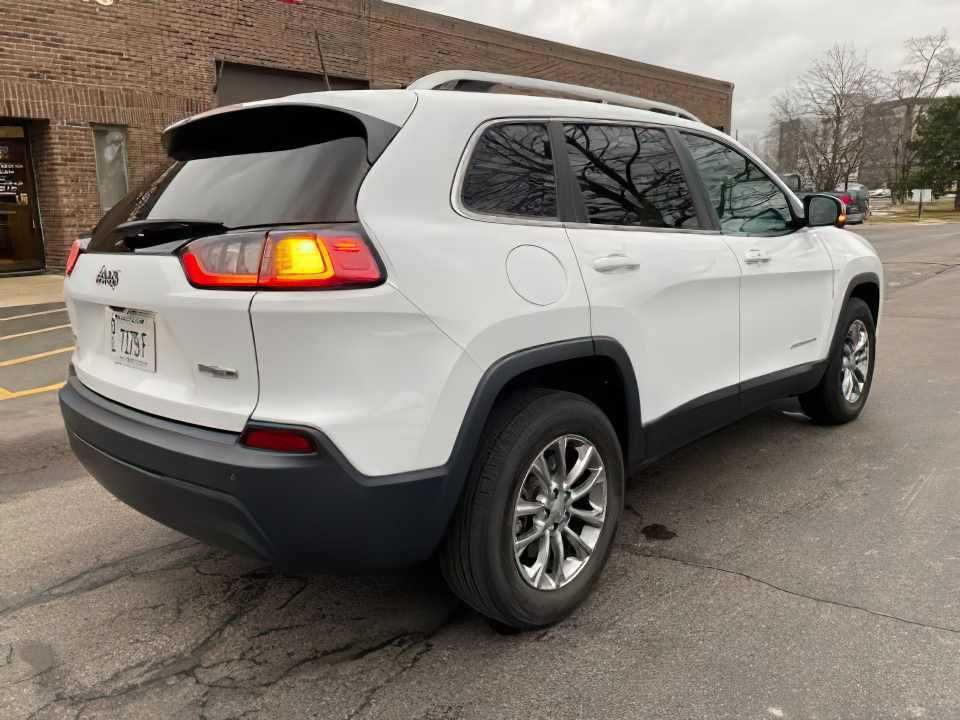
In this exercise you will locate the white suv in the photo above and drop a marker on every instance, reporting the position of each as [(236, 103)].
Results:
[(352, 330)]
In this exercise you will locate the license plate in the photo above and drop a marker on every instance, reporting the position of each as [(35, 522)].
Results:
[(130, 339)]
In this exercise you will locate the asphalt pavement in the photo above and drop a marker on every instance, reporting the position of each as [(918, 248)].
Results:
[(798, 572)]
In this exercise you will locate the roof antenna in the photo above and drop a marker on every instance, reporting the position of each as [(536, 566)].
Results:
[(323, 65)]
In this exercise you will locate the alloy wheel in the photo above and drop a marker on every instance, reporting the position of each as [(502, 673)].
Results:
[(855, 362), (559, 512)]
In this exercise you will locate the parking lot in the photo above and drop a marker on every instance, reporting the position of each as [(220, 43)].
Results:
[(797, 572)]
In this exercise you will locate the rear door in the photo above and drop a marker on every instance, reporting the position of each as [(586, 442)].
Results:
[(786, 297), (660, 280), (146, 337)]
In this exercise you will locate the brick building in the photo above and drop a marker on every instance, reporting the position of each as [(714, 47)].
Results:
[(86, 86)]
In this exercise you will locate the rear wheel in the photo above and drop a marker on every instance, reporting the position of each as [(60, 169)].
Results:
[(843, 390), (539, 512)]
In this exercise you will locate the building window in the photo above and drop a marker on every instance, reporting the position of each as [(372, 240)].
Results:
[(110, 144)]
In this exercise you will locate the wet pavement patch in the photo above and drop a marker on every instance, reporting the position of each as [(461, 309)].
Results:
[(658, 532)]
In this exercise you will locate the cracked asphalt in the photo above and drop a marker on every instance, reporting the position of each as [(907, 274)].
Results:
[(772, 570)]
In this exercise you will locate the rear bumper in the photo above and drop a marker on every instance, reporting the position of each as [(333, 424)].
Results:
[(299, 512)]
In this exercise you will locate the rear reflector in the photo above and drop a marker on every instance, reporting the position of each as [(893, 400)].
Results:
[(282, 259), (278, 440), (75, 251)]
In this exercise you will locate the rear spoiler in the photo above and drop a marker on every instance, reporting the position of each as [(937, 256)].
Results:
[(259, 127)]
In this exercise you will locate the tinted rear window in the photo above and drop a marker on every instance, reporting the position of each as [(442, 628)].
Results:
[(511, 173), (630, 175), (307, 184)]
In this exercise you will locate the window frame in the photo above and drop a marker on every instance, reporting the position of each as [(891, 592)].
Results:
[(571, 208), (456, 195), (102, 127), (793, 202)]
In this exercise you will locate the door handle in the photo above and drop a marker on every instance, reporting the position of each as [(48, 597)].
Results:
[(756, 257), (614, 262)]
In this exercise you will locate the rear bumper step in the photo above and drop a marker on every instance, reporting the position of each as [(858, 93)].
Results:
[(299, 512)]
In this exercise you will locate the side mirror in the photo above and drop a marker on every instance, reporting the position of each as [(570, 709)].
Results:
[(823, 210)]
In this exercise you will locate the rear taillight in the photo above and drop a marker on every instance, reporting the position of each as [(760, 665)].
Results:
[(75, 251), (277, 440), (846, 200), (282, 259)]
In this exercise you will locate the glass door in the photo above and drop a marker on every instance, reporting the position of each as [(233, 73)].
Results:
[(21, 246)]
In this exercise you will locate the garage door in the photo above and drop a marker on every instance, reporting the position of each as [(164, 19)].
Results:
[(241, 83)]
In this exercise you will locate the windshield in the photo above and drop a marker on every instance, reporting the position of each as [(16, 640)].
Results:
[(315, 183)]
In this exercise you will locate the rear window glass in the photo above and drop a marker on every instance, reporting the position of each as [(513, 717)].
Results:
[(511, 173), (309, 184)]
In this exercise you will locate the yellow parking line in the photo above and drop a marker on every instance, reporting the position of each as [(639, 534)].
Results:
[(38, 356), (8, 395), (34, 332), (33, 314)]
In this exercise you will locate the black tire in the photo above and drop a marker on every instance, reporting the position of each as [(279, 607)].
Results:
[(477, 557), (826, 404)]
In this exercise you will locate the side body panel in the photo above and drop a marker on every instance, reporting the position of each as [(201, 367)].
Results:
[(489, 288), (786, 301), (674, 306)]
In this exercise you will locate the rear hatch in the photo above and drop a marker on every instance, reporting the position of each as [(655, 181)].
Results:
[(148, 338)]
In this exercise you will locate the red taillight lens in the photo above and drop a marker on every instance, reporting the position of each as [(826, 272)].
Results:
[(75, 251), (278, 440), (283, 259), (846, 200)]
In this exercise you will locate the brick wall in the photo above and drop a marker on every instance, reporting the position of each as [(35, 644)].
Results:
[(142, 64)]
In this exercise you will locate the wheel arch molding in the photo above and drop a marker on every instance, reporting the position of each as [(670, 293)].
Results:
[(545, 363)]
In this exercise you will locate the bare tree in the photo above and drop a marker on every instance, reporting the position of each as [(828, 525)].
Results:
[(931, 66), (822, 117)]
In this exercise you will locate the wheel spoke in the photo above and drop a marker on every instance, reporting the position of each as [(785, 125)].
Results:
[(596, 477), (521, 543), (541, 472), (527, 507), (556, 542), (593, 516), (581, 549), (861, 341), (543, 557), (585, 454)]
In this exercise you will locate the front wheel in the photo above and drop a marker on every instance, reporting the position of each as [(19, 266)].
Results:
[(843, 390), (539, 512)]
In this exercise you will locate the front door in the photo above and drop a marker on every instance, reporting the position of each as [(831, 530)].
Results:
[(786, 295), (21, 247)]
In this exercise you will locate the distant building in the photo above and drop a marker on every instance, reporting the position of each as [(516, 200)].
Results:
[(86, 87)]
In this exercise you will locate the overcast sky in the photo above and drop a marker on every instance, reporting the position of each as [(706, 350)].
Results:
[(759, 45)]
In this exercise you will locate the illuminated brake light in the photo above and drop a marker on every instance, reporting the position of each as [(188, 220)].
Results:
[(74, 255), (277, 440), (283, 259)]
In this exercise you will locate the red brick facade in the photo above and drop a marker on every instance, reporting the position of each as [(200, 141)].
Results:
[(67, 64)]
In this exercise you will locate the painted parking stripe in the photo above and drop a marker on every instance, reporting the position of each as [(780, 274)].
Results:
[(33, 314), (33, 332), (38, 356), (8, 395)]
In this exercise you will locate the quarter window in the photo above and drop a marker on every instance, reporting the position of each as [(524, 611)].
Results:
[(511, 173), (746, 200), (630, 176)]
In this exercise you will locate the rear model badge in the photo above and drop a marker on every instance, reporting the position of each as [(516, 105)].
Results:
[(108, 277)]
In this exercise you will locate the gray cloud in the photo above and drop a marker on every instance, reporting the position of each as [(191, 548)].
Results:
[(760, 45)]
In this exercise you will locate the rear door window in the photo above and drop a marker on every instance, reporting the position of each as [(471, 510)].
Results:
[(630, 175), (511, 173)]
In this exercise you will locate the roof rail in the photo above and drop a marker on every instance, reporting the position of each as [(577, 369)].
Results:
[(472, 80)]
